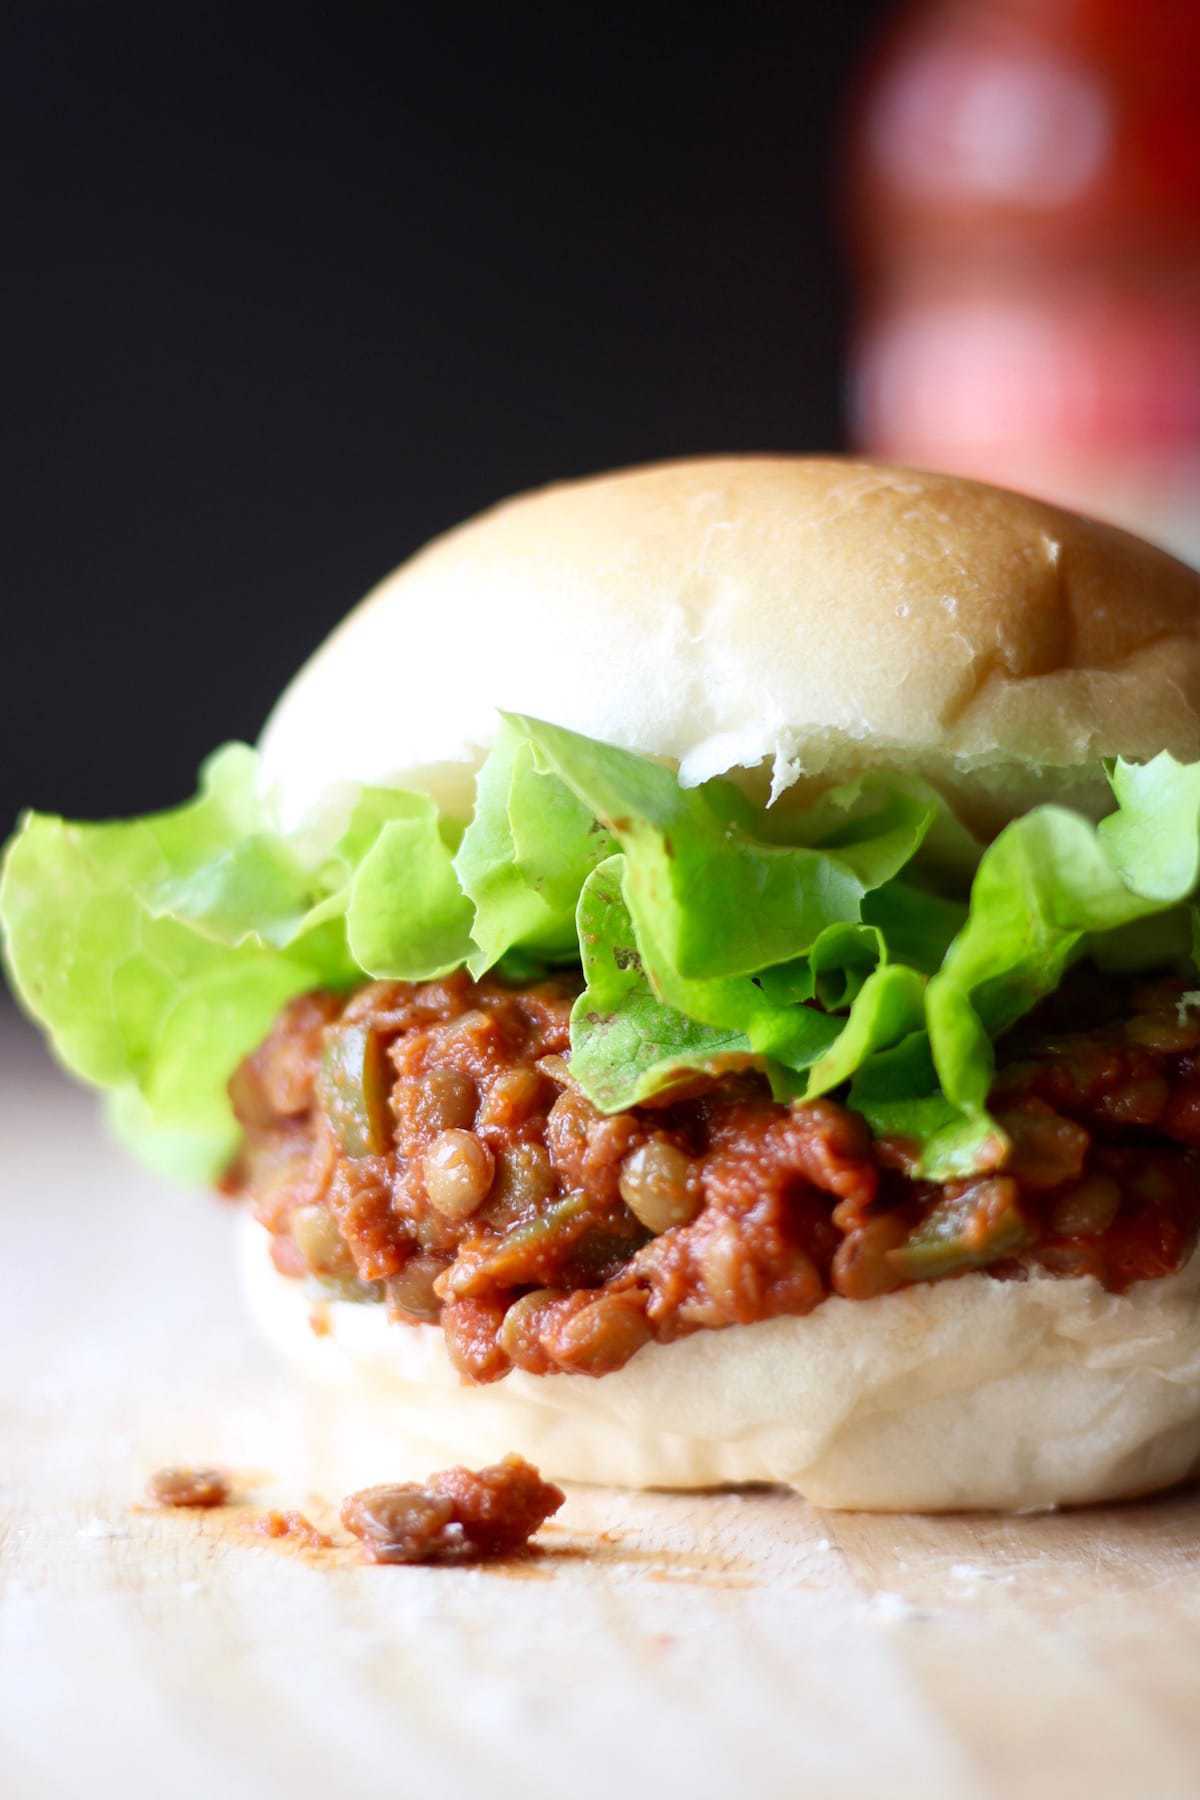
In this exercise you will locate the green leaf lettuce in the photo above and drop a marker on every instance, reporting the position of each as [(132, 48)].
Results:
[(862, 945)]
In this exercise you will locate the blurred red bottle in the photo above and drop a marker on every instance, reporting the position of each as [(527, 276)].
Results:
[(1025, 209)]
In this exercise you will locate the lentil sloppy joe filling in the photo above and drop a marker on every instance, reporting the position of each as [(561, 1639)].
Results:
[(423, 1146)]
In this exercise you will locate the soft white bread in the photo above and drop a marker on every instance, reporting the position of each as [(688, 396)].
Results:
[(798, 616), (962, 1394)]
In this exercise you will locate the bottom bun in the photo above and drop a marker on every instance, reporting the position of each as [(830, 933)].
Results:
[(968, 1394)]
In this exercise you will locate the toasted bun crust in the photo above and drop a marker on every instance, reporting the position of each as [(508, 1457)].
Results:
[(797, 616), (967, 1394)]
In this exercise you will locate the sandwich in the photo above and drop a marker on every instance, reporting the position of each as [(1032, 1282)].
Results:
[(697, 984)]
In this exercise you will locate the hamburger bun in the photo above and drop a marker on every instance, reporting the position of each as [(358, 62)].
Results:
[(790, 622), (959, 1395), (790, 618)]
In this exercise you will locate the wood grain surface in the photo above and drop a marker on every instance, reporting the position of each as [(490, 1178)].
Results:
[(722, 1644)]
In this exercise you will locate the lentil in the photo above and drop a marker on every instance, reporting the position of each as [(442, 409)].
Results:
[(861, 1266), (659, 1184), (519, 1336), (423, 1105), (1087, 1209), (524, 1179), (458, 1171), (412, 1295), (602, 1336), (320, 1243)]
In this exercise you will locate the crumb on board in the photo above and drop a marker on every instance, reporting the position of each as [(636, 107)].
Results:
[(291, 1524), (459, 1515), (100, 1528), (455, 1516), (189, 1487), (894, 1609)]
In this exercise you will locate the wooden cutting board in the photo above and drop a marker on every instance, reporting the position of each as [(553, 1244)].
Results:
[(725, 1644)]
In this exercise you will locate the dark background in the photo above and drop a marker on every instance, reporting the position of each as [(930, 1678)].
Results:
[(288, 292)]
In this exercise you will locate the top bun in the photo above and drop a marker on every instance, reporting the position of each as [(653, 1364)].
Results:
[(793, 618)]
